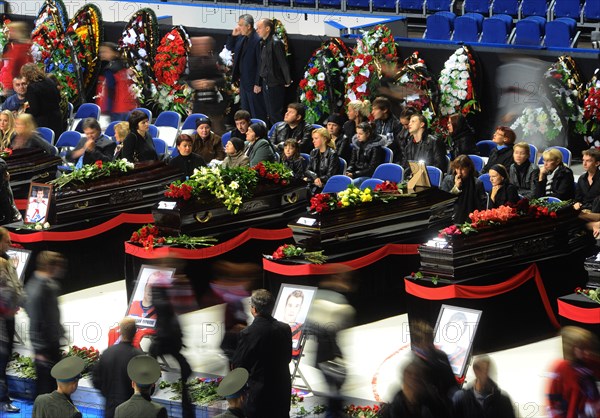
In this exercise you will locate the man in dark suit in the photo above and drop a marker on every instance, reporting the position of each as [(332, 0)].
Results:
[(265, 350), (245, 44), (110, 374)]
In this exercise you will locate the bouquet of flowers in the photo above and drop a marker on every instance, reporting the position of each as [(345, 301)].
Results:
[(565, 89), (323, 82), (89, 355), (362, 411), (591, 109), (457, 94), (414, 74), (538, 120), (169, 64), (592, 294), (202, 390), (278, 173), (91, 172), (292, 251), (149, 237), (353, 196)]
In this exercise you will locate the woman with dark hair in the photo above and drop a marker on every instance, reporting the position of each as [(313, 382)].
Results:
[(324, 161), (292, 159), (43, 98), (259, 148), (504, 138), (138, 144), (207, 144), (367, 153), (502, 191), (186, 161), (343, 145), (462, 138), (469, 189)]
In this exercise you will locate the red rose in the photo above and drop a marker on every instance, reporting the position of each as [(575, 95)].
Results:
[(303, 83), (321, 86), (98, 164), (313, 71), (310, 95)]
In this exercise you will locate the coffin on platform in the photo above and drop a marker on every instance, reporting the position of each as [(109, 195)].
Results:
[(27, 165), (519, 241), (409, 218), (136, 190), (592, 266), (271, 205)]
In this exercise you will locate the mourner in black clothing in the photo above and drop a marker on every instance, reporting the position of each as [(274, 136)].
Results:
[(556, 179), (324, 161), (367, 153), (95, 146), (502, 191), (504, 138), (588, 184), (293, 126), (423, 146), (292, 159), (186, 161), (343, 143), (462, 136), (462, 182), (523, 173), (138, 144)]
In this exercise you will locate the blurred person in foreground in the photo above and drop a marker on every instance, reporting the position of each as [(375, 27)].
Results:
[(16, 54), (233, 388), (572, 391), (483, 398)]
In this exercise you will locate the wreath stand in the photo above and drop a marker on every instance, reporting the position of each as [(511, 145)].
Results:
[(296, 357)]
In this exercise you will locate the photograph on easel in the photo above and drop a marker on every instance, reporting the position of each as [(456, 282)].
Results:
[(292, 306), (38, 204), (19, 257), (140, 306)]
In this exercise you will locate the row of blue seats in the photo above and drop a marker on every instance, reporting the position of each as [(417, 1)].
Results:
[(498, 29)]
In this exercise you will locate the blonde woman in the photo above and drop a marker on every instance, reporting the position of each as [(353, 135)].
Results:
[(324, 161), (358, 111), (555, 179), (7, 128), (121, 131), (27, 137)]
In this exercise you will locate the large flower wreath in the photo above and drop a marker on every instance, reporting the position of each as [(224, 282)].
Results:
[(138, 43), (540, 121), (565, 90), (376, 49), (591, 110), (281, 33), (457, 94), (170, 62), (414, 74), (323, 83), (86, 32)]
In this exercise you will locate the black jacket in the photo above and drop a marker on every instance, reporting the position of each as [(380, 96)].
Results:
[(265, 350), (463, 143), (430, 149), (502, 156), (508, 193), (274, 69), (188, 163), (343, 146), (562, 184), (110, 375), (526, 184), (301, 133), (296, 165), (366, 156), (246, 59), (323, 165), (585, 193), (495, 405), (44, 105), (137, 148), (103, 151)]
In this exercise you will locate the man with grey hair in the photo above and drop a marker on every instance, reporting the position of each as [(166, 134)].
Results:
[(265, 350), (244, 42)]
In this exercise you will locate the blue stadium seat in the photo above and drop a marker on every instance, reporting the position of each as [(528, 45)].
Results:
[(389, 155), (438, 5), (467, 28), (533, 151), (306, 159), (477, 162), (439, 27), (88, 110), (390, 172), (508, 21), (450, 15), (190, 121), (494, 31), (334, 4), (506, 7), (370, 184), (534, 8), (591, 10), (487, 183), (359, 4), (47, 134), (566, 153), (412, 5), (110, 129), (567, 8), (560, 32), (435, 176), (343, 166), (305, 2), (148, 112), (225, 138), (336, 184), (530, 31), (385, 4), (476, 6), (485, 146), (160, 146)]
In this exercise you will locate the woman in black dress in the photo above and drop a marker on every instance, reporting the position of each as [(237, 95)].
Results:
[(138, 144)]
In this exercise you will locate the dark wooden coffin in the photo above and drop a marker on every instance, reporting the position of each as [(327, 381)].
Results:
[(27, 165), (408, 219), (271, 206), (592, 266), (520, 241), (134, 191)]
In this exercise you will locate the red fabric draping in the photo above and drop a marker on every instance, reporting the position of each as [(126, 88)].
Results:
[(482, 292), (332, 268), (21, 204), (132, 218), (579, 314), (209, 252)]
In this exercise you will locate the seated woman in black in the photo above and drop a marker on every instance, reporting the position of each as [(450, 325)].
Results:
[(504, 138), (523, 174), (292, 159), (342, 141), (462, 137), (502, 191), (470, 191), (186, 161), (324, 161), (26, 135), (367, 153), (556, 179), (138, 144), (588, 184)]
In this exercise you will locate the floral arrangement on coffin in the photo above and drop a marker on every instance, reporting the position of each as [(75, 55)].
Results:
[(230, 185), (138, 43), (362, 411), (414, 74), (353, 196), (170, 62), (457, 94), (89, 355), (536, 208), (35, 226), (323, 82), (202, 390), (591, 109), (148, 236), (23, 366), (539, 121), (86, 32), (565, 89), (592, 294), (291, 251), (91, 172), (376, 49)]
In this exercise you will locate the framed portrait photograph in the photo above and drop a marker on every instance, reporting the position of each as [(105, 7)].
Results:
[(420, 177), (19, 257), (454, 334), (38, 203), (140, 306), (292, 306)]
